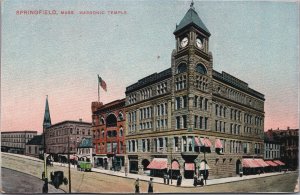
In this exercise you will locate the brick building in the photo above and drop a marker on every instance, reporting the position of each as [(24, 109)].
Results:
[(190, 117), (289, 146), (58, 135), (108, 125), (15, 141), (272, 146)]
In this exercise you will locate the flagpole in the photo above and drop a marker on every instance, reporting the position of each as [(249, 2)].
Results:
[(98, 90)]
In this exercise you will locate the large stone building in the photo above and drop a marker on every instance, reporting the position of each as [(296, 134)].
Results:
[(109, 133), (59, 135), (190, 117), (15, 141)]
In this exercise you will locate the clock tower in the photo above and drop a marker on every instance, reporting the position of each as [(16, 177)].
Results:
[(192, 66)]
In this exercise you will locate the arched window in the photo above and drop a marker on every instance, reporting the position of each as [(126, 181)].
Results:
[(181, 68), (201, 69), (102, 121), (111, 120), (121, 116)]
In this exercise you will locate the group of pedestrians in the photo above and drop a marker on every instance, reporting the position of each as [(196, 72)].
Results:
[(137, 185)]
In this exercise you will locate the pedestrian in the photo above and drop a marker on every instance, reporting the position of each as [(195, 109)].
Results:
[(137, 185), (45, 186), (195, 180), (179, 178), (150, 186)]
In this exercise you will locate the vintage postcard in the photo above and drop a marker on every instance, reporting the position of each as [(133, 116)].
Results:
[(140, 96)]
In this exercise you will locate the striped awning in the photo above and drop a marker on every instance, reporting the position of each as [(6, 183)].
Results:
[(197, 142), (175, 165), (204, 166), (261, 162), (205, 142), (271, 163), (250, 163), (278, 162), (189, 166), (218, 143), (158, 163)]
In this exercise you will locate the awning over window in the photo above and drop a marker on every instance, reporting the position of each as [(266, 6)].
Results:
[(189, 166), (158, 163), (278, 162), (261, 162), (197, 142), (271, 163), (204, 166), (218, 143), (205, 142), (175, 165), (250, 163)]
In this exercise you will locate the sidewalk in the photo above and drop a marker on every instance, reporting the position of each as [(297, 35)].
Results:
[(184, 183)]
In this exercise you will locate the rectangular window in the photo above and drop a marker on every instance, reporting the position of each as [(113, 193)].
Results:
[(201, 103), (184, 121), (184, 101), (205, 123), (195, 121), (216, 125), (206, 104), (200, 122), (195, 101), (177, 122)]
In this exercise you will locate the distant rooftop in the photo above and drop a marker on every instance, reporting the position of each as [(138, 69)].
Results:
[(36, 140), (153, 78), (229, 79)]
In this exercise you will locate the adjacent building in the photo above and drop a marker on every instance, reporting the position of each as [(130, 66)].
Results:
[(272, 146), (15, 141), (289, 148), (34, 147), (85, 150), (108, 126), (60, 135), (191, 117)]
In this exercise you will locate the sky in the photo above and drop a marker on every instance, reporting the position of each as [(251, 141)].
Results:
[(60, 55)]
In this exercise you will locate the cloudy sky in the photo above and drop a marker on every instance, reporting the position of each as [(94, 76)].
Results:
[(60, 55)]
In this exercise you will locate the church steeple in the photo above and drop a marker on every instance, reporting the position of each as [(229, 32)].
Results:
[(47, 118)]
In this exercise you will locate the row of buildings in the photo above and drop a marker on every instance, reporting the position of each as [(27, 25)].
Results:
[(186, 119)]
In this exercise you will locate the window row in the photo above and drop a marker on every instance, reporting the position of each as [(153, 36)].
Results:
[(161, 109), (145, 125), (201, 102), (200, 122), (201, 83), (132, 98), (181, 122), (235, 115), (180, 102), (145, 113), (220, 126), (235, 129), (161, 88), (220, 111), (131, 116), (145, 93), (180, 82)]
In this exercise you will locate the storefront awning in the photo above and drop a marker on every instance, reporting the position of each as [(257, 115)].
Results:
[(271, 163), (189, 166), (204, 166), (175, 165), (218, 143), (197, 142), (261, 162), (278, 162), (205, 142), (158, 163), (250, 163)]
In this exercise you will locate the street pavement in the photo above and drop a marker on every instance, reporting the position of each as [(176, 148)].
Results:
[(16, 182), (100, 180), (185, 182)]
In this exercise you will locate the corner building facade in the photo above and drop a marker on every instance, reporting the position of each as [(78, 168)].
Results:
[(190, 118)]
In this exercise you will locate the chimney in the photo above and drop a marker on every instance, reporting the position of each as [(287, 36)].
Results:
[(80, 120), (288, 128)]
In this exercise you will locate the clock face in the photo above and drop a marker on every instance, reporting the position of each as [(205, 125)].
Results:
[(184, 42), (199, 43)]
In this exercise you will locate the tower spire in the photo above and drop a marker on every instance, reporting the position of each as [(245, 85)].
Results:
[(192, 4), (47, 118)]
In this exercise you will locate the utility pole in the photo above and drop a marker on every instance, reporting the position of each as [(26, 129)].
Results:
[(69, 164)]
